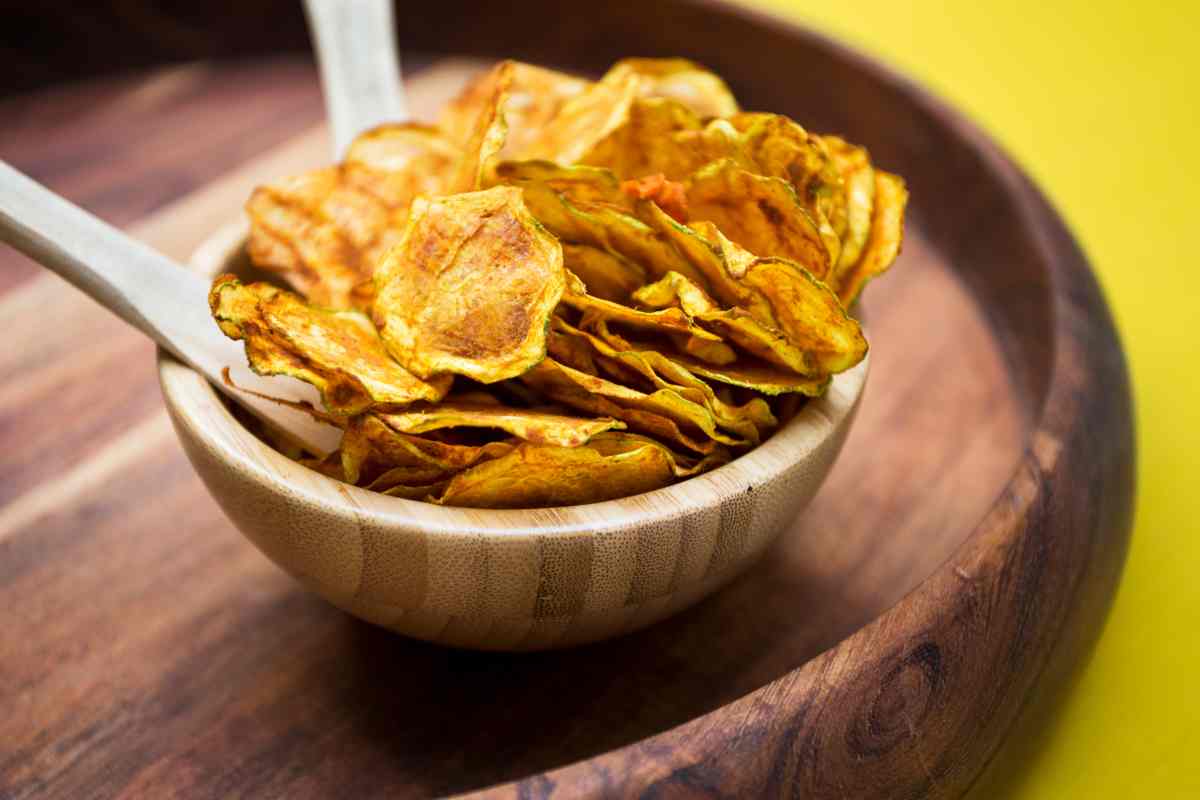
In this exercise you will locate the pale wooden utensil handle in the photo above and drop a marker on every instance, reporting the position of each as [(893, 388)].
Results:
[(355, 42), (149, 291)]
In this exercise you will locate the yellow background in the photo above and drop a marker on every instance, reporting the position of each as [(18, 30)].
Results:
[(1098, 101)]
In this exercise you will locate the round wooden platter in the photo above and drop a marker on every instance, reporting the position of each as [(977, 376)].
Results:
[(959, 560)]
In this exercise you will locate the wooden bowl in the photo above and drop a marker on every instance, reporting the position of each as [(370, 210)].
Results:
[(503, 579)]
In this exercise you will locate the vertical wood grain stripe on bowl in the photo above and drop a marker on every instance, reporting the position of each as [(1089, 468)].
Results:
[(395, 568), (656, 555), (613, 564), (697, 542), (515, 567), (737, 516), (458, 565), (565, 575)]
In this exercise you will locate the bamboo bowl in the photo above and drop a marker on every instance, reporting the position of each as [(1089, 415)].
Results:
[(503, 579)]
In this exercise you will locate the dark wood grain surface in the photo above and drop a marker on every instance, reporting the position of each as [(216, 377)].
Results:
[(147, 649)]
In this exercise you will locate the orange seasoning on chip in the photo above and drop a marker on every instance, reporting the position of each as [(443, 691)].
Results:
[(669, 195)]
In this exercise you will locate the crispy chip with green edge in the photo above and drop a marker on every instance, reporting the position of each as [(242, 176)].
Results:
[(397, 162), (613, 231), (681, 80), (338, 352), (526, 424), (370, 447), (648, 141), (536, 95), (709, 351), (713, 262), (810, 314), (762, 214), (573, 352), (674, 370), (325, 230), (887, 234), (585, 206), (764, 378), (801, 323), (666, 320), (585, 119), (488, 136), (607, 276), (579, 184), (747, 421), (681, 144), (534, 476), (642, 411), (412, 481), (812, 335), (780, 148), (471, 287), (662, 139), (858, 190)]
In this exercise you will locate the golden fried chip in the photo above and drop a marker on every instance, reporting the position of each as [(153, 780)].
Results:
[(412, 481), (536, 95), (526, 424), (582, 391), (709, 351), (764, 378), (714, 262), (586, 206), (852, 219), (606, 228), (747, 422), (534, 475), (887, 233), (589, 206), (370, 447), (762, 214), (809, 314), (584, 120), (678, 79), (489, 134), (779, 148), (607, 276), (338, 352), (664, 139), (800, 321), (325, 230), (571, 351), (395, 163), (666, 320), (427, 493), (564, 389), (578, 184), (649, 140), (808, 331), (471, 288)]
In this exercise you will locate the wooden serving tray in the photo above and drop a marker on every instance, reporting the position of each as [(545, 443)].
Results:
[(959, 560)]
